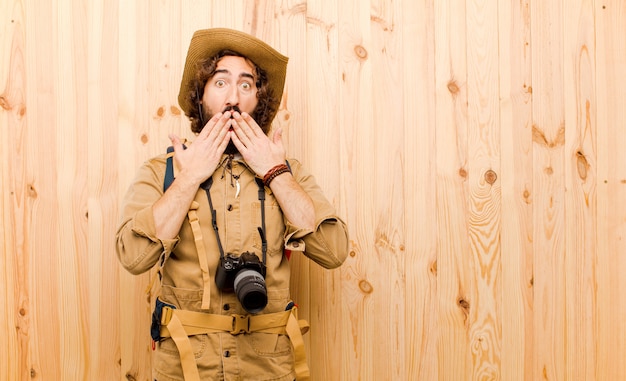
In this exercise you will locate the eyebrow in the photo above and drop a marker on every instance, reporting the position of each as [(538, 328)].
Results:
[(244, 75)]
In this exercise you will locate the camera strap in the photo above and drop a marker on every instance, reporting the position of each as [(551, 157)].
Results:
[(207, 188)]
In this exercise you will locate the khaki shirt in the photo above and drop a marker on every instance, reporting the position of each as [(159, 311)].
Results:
[(258, 356)]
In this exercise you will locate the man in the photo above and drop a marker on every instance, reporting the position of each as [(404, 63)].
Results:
[(222, 232)]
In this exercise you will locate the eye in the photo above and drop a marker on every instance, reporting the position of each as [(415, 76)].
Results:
[(246, 86), (220, 83)]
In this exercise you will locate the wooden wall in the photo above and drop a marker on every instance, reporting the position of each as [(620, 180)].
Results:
[(475, 148)]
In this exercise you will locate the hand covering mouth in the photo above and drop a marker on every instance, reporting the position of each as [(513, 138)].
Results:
[(232, 108)]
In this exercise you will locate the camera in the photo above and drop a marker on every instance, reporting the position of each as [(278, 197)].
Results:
[(244, 275)]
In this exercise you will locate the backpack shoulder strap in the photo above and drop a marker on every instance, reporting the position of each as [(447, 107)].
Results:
[(169, 168)]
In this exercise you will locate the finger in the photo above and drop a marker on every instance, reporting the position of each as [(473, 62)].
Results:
[(209, 126), (222, 131), (217, 122), (249, 125), (278, 137), (225, 138), (240, 133), (236, 141), (176, 143)]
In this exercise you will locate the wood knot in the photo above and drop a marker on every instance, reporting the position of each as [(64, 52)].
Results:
[(526, 196), (582, 165), (360, 52), (491, 177), (144, 138), (529, 89), (4, 103), (453, 87), (32, 192), (464, 304), (175, 110), (548, 171), (463, 173), (161, 112), (366, 287)]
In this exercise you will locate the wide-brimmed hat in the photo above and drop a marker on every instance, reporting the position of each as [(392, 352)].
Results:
[(207, 43)]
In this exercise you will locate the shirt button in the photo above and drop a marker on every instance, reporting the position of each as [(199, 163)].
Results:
[(296, 244), (226, 353), (226, 307)]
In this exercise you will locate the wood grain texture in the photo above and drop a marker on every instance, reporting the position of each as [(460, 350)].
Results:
[(454, 265), (474, 148), (549, 191), (356, 104), (415, 23), (484, 214), (515, 87), (611, 171), (580, 149), (15, 321)]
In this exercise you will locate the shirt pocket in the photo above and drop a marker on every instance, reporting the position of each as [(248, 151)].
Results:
[(268, 345), (205, 351)]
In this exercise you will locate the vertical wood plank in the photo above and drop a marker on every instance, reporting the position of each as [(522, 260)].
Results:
[(484, 214), (516, 187), (388, 293), (355, 95), (71, 112), (548, 197), (319, 133), (41, 179), (102, 206), (454, 283), (417, 26), (291, 40), (580, 178), (15, 320), (611, 169), (133, 119)]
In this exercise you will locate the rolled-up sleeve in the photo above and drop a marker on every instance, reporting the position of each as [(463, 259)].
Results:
[(328, 244), (137, 245)]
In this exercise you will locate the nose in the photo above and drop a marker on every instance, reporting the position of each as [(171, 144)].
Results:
[(232, 98)]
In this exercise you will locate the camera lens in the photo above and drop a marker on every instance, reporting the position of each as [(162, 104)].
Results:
[(251, 291)]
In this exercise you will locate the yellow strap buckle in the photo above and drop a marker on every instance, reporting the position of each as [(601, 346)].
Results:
[(166, 315), (241, 324)]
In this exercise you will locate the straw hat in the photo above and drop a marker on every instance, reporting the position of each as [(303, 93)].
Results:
[(208, 42)]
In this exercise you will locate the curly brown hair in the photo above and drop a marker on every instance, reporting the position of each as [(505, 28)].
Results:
[(265, 109)]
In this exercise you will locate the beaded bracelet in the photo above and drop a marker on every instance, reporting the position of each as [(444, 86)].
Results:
[(274, 172)]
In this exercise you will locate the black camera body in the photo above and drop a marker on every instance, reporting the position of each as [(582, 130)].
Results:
[(244, 275)]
